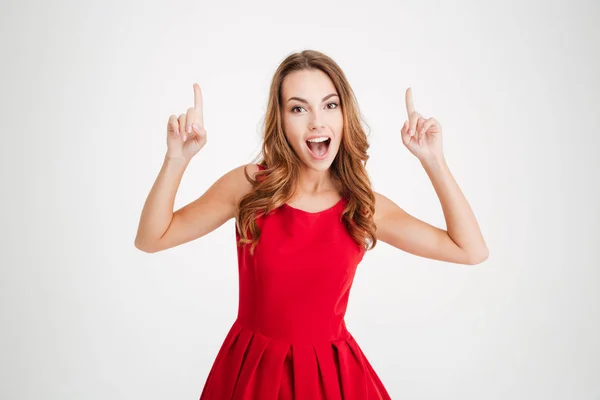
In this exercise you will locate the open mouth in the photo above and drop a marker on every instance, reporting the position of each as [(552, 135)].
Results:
[(319, 148)]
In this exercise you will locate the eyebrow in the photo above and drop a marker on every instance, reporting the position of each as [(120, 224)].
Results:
[(306, 102)]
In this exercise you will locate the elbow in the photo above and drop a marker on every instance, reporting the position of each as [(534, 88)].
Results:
[(143, 246), (479, 257)]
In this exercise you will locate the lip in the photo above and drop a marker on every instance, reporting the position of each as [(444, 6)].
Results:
[(317, 136)]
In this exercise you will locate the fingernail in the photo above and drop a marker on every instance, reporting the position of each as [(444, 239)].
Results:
[(184, 137), (195, 127), (189, 128), (410, 132)]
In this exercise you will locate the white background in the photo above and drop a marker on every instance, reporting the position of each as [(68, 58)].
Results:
[(87, 90)]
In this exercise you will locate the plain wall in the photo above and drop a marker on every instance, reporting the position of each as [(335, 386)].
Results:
[(87, 89)]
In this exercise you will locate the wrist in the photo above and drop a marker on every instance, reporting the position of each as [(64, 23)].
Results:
[(434, 161), (171, 159)]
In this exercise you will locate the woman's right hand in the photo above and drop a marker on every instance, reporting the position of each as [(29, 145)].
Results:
[(186, 135)]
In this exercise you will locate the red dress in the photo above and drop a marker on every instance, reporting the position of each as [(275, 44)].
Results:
[(289, 340)]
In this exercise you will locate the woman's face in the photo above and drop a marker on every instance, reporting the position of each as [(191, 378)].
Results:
[(311, 110)]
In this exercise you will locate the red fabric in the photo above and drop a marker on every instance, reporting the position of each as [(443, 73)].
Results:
[(289, 340)]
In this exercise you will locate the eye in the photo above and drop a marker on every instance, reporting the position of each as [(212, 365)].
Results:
[(328, 104)]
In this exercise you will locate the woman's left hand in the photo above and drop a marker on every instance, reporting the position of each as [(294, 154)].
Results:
[(422, 137)]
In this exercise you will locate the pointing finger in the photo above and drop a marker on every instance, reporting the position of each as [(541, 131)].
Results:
[(198, 105), (410, 107)]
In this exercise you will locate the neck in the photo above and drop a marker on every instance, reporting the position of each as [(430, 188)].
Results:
[(311, 181)]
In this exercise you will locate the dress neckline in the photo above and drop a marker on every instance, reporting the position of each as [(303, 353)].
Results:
[(340, 201), (286, 205)]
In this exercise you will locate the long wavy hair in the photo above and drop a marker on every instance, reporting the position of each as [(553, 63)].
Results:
[(276, 184)]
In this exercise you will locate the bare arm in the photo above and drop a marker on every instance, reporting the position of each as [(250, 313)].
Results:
[(158, 208), (161, 228), (462, 242), (462, 226), (400, 229)]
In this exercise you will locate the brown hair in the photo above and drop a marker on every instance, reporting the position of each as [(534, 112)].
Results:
[(276, 184)]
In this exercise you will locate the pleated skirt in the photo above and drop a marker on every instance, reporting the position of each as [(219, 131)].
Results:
[(250, 365)]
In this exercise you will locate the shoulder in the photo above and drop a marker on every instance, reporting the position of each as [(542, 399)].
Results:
[(381, 203), (239, 180), (386, 208)]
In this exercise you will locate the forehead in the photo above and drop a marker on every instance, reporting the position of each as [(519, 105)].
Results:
[(307, 84)]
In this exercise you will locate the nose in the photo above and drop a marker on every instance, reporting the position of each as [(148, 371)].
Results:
[(316, 121)]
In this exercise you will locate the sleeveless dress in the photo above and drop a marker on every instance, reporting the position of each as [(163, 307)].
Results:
[(289, 340)]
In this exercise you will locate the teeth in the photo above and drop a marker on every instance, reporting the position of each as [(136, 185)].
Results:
[(317, 140)]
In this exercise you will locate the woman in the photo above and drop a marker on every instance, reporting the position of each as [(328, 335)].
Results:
[(305, 216)]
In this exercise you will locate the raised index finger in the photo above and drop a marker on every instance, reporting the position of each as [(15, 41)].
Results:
[(410, 107), (198, 105)]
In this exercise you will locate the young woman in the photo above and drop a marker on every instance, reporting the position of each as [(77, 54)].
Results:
[(304, 217)]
